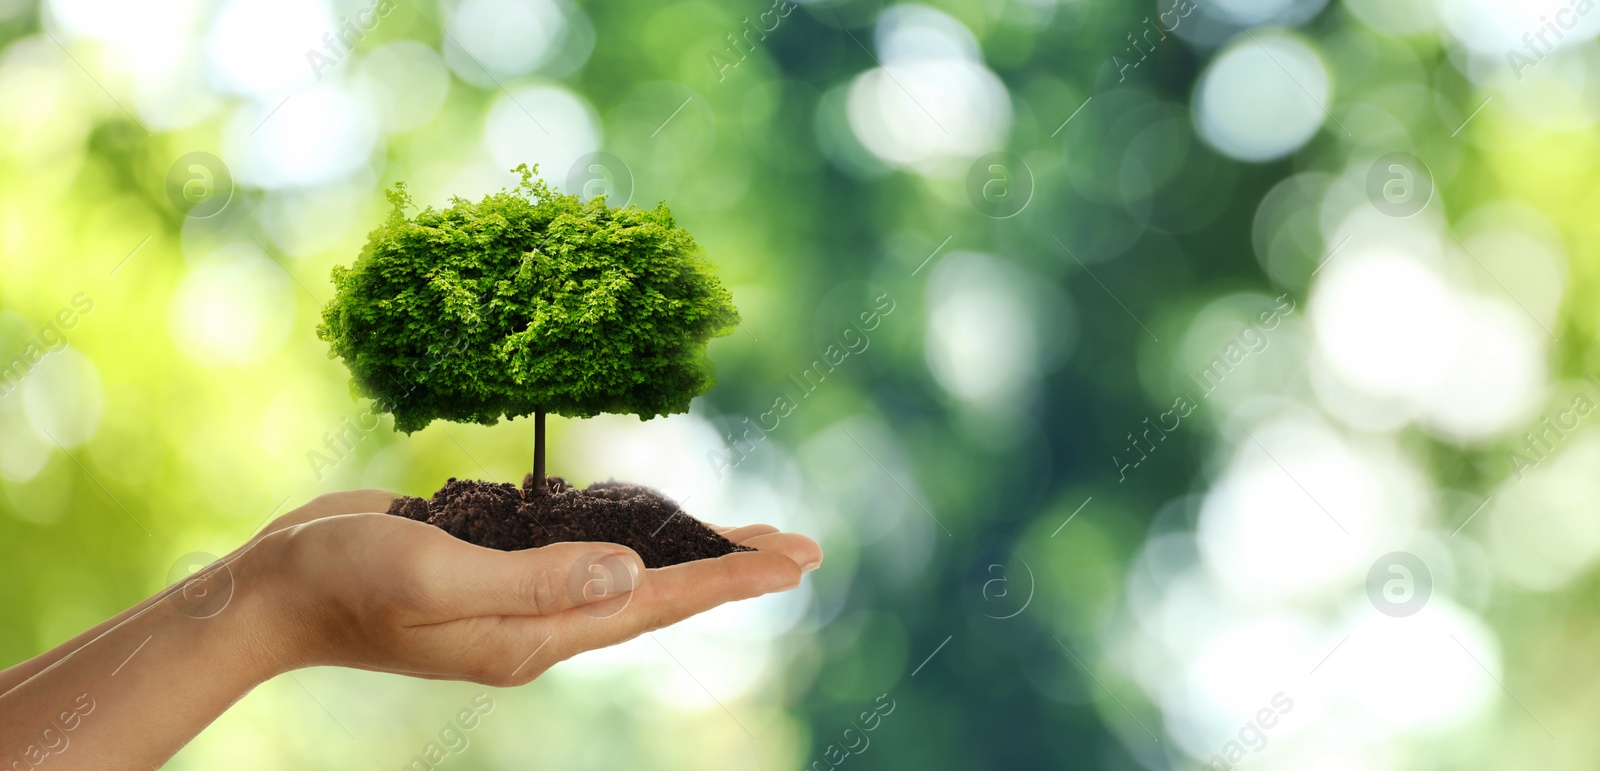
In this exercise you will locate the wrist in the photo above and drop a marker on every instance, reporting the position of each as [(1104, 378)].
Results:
[(241, 601)]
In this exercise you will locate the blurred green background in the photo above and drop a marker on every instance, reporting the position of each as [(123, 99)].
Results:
[(1191, 318)]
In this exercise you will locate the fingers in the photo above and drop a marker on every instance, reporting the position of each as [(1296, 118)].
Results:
[(466, 580), (674, 593), (521, 647), (740, 534), (349, 502), (669, 595), (331, 505), (804, 551)]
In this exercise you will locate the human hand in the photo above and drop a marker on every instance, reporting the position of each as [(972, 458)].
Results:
[(342, 584), (336, 582)]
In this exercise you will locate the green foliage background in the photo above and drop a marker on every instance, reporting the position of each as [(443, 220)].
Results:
[(155, 433)]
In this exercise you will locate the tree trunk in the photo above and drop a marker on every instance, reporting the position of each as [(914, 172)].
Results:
[(539, 485)]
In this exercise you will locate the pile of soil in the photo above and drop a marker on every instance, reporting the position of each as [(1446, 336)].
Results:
[(500, 516)]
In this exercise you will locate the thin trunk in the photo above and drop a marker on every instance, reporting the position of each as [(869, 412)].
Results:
[(539, 485)]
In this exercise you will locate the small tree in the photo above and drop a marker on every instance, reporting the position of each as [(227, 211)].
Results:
[(527, 302)]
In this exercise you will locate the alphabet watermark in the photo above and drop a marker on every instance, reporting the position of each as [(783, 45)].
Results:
[(1160, 27), (340, 443), (454, 737), (1005, 601), (1399, 184), (1534, 45), (599, 576), (1542, 441), (1252, 735), (867, 722), (351, 31), (1251, 340), (1399, 584), (734, 55), (205, 585), (601, 174), (52, 338), (55, 738), (1000, 185), (853, 340), (199, 185)]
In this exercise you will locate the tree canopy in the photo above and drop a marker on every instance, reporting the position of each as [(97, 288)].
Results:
[(529, 300)]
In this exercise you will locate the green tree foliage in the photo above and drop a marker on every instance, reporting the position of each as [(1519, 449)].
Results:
[(529, 301)]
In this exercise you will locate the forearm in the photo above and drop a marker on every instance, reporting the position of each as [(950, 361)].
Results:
[(354, 500), (132, 696), (17, 674)]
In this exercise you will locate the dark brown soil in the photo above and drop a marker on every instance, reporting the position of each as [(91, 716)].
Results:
[(499, 516)]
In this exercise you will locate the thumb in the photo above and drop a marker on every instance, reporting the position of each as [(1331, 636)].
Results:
[(542, 581)]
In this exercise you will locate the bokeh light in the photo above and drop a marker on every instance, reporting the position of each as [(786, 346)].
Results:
[(1297, 286)]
